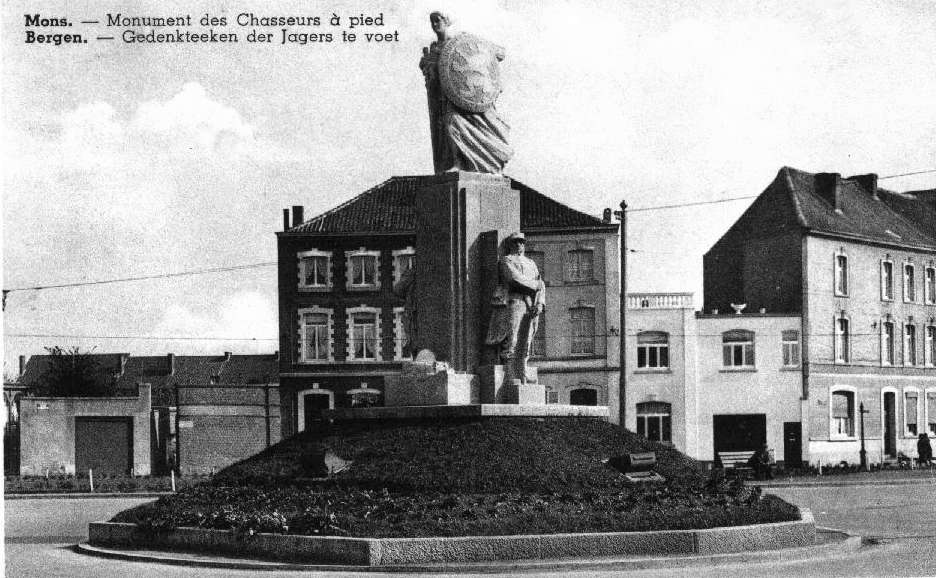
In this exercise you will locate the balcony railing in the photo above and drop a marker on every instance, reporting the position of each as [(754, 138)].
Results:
[(659, 301)]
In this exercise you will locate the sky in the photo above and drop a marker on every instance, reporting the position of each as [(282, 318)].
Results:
[(126, 160)]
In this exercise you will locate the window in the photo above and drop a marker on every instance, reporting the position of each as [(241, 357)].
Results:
[(583, 330), (652, 350), (363, 334), (738, 348), (910, 354), (581, 265), (929, 286), (363, 269), (931, 411), (315, 335), (843, 414), (552, 397), (403, 261), (791, 348), (841, 275), (314, 269), (399, 334), (909, 284), (887, 343), (539, 338), (911, 411), (929, 346), (842, 351), (654, 421), (887, 280)]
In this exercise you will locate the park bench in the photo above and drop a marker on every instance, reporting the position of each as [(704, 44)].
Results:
[(738, 462), (637, 467)]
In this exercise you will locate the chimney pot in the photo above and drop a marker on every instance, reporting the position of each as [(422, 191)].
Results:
[(828, 187), (285, 219), (227, 356), (22, 365), (170, 357), (298, 219), (276, 355)]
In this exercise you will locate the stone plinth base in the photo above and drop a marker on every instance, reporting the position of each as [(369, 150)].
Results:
[(430, 383), (497, 388), (466, 411)]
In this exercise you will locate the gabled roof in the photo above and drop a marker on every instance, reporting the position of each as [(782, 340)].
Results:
[(190, 370), (390, 207), (875, 215)]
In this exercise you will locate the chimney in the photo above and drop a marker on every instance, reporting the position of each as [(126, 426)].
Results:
[(297, 215), (285, 219), (276, 355), (925, 197), (22, 365), (227, 356), (829, 189), (123, 362), (606, 217), (868, 182), (170, 358)]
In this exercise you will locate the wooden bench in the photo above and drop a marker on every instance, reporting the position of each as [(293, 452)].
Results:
[(736, 461)]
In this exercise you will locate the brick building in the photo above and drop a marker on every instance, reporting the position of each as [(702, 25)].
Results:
[(196, 414), (857, 263), (341, 325)]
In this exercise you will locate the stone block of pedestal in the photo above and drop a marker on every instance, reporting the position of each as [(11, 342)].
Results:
[(430, 384), (497, 387)]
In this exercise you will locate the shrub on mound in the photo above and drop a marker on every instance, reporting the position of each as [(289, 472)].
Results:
[(467, 477)]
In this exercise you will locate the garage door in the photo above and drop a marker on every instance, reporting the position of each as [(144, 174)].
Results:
[(104, 444)]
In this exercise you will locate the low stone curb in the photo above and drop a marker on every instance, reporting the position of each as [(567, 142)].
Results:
[(85, 495), (844, 544), (369, 552), (845, 483)]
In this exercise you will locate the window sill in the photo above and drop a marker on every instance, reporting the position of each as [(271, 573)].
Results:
[(791, 368), (315, 289), (841, 295), (843, 439), (363, 287), (314, 361), (737, 370), (651, 371)]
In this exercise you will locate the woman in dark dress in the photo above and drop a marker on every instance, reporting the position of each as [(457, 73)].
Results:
[(924, 450)]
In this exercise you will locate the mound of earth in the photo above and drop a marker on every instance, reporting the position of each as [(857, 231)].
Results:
[(478, 476)]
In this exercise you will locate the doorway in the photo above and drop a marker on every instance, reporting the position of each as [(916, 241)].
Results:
[(889, 419), (104, 444), (739, 432), (311, 404), (792, 444)]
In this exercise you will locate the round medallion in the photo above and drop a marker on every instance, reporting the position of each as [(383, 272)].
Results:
[(468, 72)]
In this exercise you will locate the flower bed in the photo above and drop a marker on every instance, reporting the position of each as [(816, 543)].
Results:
[(473, 477)]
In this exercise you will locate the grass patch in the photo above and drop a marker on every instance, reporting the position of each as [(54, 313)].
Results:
[(459, 477)]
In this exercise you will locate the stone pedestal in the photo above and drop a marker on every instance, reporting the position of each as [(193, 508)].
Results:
[(431, 383), (496, 387), (461, 220)]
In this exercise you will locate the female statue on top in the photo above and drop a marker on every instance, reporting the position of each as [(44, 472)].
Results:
[(462, 83)]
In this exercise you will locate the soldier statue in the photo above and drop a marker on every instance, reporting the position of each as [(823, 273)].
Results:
[(518, 301)]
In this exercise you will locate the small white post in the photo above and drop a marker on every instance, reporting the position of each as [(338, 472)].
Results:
[(91, 479), (820, 466), (172, 477)]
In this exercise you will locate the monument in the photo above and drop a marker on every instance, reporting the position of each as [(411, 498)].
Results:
[(473, 300)]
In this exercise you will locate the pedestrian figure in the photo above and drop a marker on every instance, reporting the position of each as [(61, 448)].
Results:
[(760, 462), (924, 450)]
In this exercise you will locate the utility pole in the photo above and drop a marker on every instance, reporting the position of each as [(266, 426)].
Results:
[(863, 454), (622, 356)]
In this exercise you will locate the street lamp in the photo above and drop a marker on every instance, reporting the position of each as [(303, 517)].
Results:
[(863, 454), (622, 356)]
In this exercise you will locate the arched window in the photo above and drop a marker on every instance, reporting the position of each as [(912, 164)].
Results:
[(654, 421), (738, 348), (652, 350), (842, 408)]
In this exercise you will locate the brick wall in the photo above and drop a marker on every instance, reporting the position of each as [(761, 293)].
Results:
[(219, 425)]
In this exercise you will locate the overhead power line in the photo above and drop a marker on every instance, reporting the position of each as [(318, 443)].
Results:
[(141, 337), (146, 277)]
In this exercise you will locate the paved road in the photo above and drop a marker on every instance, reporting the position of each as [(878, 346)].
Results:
[(903, 518)]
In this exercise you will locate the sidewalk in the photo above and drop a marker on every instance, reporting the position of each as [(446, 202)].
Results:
[(878, 478)]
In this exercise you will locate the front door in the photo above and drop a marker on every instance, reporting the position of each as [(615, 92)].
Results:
[(792, 444), (889, 418), (313, 404)]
